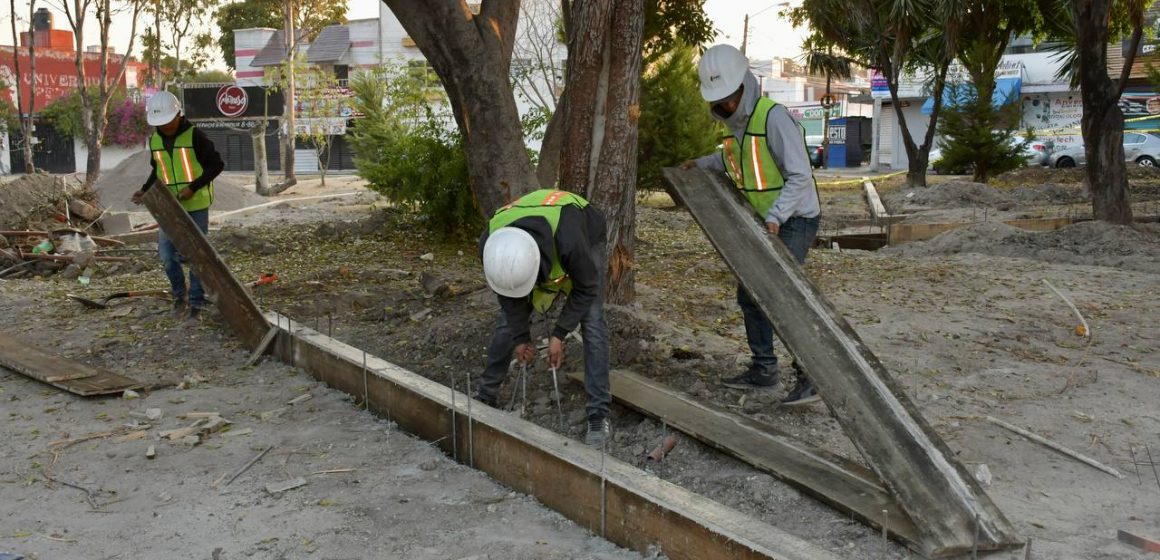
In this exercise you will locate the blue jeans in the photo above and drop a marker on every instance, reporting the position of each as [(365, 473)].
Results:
[(595, 334), (171, 260), (798, 234)]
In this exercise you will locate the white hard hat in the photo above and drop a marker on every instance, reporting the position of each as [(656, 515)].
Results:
[(161, 108), (722, 69), (511, 262)]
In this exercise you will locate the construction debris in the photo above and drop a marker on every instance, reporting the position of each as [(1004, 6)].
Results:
[(1044, 441), (151, 453), (279, 487), (300, 399), (1142, 543)]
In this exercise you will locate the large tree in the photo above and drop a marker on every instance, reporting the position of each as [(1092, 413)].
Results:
[(1086, 27), (95, 104), (899, 38), (177, 47)]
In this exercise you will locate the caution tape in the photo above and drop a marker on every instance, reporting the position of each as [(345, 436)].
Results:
[(859, 180)]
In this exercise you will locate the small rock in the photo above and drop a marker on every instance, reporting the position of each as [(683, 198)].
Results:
[(429, 466), (153, 414), (698, 387), (983, 474), (164, 497), (151, 453), (421, 315), (433, 285), (427, 257), (130, 394), (190, 441)]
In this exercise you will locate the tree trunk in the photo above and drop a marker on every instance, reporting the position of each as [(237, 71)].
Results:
[(25, 118), (288, 134), (917, 156), (1103, 121), (261, 166), (472, 56), (599, 160), (548, 170)]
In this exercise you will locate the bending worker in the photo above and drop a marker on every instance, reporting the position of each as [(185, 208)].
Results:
[(544, 244), (765, 156)]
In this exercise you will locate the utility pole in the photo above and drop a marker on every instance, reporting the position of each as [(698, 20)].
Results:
[(745, 35), (291, 41)]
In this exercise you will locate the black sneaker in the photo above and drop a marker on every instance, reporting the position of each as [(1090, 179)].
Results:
[(598, 431), (194, 315), (756, 377), (803, 393), (178, 309)]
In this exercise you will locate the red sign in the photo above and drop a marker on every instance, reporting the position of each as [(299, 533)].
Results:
[(232, 101), (56, 75)]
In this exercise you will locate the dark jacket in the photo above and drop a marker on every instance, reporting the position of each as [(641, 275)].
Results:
[(203, 148), (580, 240)]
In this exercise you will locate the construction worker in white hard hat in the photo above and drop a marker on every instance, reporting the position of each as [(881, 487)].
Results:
[(765, 156), (542, 245), (185, 160)]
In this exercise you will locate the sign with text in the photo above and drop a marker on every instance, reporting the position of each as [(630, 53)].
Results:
[(231, 102)]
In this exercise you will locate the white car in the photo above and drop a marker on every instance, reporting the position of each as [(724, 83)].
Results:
[(1141, 148)]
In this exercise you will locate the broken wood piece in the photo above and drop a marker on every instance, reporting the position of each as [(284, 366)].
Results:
[(279, 487), (151, 453), (70, 376), (263, 346), (271, 414), (1044, 441), (334, 471), (662, 449), (238, 433), (1142, 543), (213, 425), (180, 433), (26, 359), (300, 399), (952, 512), (247, 466), (131, 436), (44, 257), (206, 415)]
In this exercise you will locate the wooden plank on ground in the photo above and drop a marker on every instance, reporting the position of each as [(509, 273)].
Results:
[(237, 307), (837, 481), (906, 233), (951, 510), (604, 495), (74, 377)]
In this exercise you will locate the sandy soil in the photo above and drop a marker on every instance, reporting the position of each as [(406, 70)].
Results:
[(969, 334)]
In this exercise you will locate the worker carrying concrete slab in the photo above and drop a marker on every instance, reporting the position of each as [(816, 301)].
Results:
[(765, 156), (542, 245), (186, 162)]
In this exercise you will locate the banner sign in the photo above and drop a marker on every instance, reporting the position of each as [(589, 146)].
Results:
[(231, 102)]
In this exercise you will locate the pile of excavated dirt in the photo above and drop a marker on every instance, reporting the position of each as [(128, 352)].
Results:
[(1085, 243), (118, 184), (958, 194), (1033, 175), (34, 199)]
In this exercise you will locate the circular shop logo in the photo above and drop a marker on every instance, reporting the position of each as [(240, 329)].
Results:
[(232, 101)]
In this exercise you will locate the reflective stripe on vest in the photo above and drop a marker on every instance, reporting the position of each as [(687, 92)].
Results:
[(179, 167), (750, 164), (547, 204)]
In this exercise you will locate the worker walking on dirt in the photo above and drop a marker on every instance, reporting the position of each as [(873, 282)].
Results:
[(765, 156), (544, 244), (185, 160)]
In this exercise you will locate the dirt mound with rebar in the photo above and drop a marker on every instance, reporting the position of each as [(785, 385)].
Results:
[(1085, 243), (117, 185), (31, 201)]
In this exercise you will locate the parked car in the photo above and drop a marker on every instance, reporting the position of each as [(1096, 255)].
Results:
[(815, 150), (1037, 153), (1141, 148)]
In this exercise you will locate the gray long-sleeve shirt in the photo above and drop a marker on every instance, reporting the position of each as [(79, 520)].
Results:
[(799, 196)]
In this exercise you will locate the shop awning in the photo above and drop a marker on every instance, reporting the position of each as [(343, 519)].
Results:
[(1006, 91)]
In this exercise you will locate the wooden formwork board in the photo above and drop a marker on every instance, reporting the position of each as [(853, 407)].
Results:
[(611, 498), (74, 377)]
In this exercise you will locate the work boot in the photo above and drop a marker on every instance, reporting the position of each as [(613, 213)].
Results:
[(803, 393), (178, 309), (599, 429), (756, 377), (194, 315)]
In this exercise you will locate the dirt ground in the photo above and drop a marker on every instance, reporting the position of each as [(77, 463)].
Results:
[(971, 332)]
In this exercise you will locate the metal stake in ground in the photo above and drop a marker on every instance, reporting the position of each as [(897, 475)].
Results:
[(454, 434), (470, 428), (559, 408)]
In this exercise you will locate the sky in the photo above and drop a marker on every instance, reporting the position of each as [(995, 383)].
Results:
[(769, 34)]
